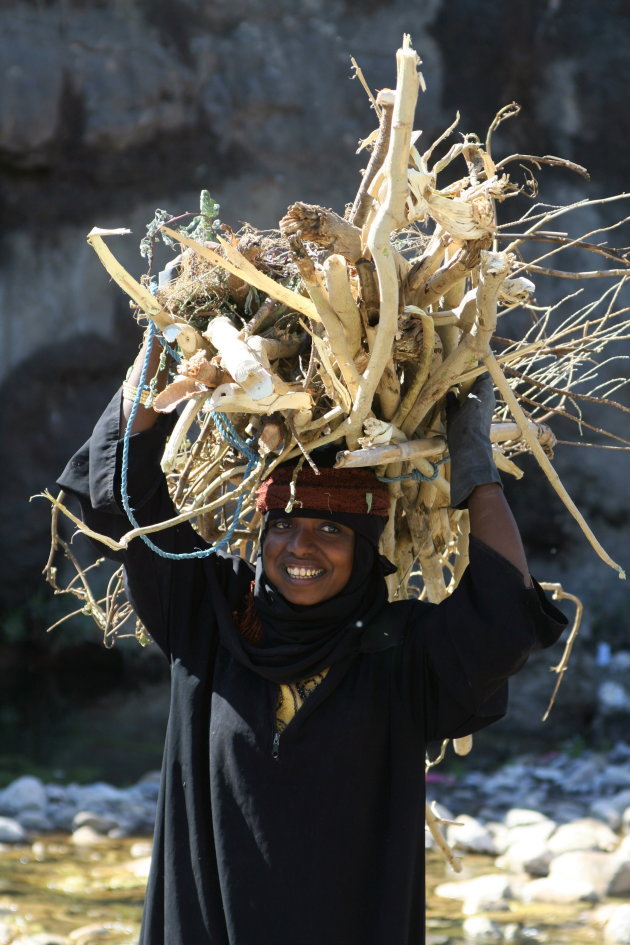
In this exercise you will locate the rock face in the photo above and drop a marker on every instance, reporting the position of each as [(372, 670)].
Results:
[(109, 110)]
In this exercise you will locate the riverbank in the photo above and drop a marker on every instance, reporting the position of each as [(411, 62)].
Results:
[(544, 841)]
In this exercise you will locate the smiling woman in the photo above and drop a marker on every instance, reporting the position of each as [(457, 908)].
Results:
[(308, 559), (302, 701)]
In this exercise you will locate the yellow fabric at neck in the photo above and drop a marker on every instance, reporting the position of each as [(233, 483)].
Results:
[(291, 698)]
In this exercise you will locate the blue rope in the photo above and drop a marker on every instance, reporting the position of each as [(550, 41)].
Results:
[(415, 474), (226, 429)]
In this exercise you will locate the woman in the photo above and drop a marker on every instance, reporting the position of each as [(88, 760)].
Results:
[(292, 797)]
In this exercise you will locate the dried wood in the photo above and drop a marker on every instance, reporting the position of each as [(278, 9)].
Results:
[(352, 332)]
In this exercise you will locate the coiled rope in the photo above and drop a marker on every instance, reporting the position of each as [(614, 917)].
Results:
[(227, 431)]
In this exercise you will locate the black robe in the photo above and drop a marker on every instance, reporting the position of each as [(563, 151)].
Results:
[(315, 837)]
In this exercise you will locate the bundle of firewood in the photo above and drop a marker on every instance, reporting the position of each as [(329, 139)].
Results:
[(350, 330)]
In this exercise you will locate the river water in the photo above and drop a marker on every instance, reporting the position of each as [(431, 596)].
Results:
[(93, 896)]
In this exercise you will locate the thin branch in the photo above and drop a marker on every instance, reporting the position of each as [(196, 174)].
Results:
[(545, 159)]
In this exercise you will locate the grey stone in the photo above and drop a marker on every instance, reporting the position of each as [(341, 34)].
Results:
[(34, 821), (61, 815), (24, 793), (97, 822), (613, 697), (610, 809), (99, 797), (617, 776)]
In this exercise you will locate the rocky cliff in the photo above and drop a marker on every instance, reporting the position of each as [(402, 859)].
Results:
[(112, 108)]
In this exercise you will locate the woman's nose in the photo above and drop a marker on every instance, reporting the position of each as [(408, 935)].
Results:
[(301, 539)]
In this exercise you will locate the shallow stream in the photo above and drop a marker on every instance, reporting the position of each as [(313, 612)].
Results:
[(93, 896)]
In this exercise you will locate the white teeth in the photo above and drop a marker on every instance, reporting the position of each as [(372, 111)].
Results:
[(304, 572)]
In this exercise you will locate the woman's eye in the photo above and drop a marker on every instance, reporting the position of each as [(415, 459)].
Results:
[(331, 529)]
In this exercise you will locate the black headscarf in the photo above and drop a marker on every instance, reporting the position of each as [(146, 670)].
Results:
[(295, 641), (301, 640)]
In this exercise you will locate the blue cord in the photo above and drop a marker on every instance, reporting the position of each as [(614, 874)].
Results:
[(415, 474), (226, 429)]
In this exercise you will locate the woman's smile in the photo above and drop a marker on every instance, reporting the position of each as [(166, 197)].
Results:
[(308, 560)]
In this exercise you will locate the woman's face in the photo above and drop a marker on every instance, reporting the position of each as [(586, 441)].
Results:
[(308, 560)]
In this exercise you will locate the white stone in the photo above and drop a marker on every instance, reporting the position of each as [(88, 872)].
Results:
[(139, 867), (575, 876), (11, 831), (482, 930), (587, 833), (87, 837), (523, 817), (527, 848), (491, 886), (617, 928), (141, 848), (619, 882), (547, 889), (467, 833)]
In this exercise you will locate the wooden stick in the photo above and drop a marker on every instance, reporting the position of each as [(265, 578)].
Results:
[(183, 425), (422, 372), (543, 461), (390, 216), (342, 300), (358, 214), (188, 339), (392, 452), (457, 268), (493, 269), (327, 315)]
